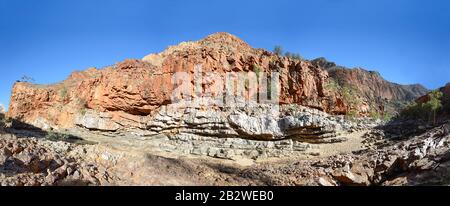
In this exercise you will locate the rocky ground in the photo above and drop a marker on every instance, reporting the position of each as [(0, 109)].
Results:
[(368, 157)]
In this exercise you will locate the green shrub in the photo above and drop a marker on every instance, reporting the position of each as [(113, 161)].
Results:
[(288, 54), (374, 114), (257, 70), (278, 50), (434, 105), (63, 93), (83, 111), (426, 111), (387, 117), (351, 114), (332, 85), (294, 56), (383, 115), (82, 103), (350, 96), (413, 110), (27, 79)]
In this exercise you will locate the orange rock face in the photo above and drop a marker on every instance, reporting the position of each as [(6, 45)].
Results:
[(373, 86), (374, 93), (134, 89)]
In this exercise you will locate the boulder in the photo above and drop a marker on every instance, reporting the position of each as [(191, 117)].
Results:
[(95, 121)]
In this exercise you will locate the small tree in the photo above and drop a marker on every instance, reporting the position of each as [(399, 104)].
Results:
[(333, 85), (297, 56), (350, 96), (288, 54), (63, 93), (427, 110), (434, 104), (26, 78), (278, 50)]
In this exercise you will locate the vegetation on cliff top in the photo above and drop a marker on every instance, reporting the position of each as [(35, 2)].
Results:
[(428, 110), (351, 97), (278, 50)]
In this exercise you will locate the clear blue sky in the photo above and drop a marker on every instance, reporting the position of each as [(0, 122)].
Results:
[(407, 41)]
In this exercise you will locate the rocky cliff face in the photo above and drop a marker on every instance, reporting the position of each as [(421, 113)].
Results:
[(137, 95), (129, 111), (375, 92), (134, 94)]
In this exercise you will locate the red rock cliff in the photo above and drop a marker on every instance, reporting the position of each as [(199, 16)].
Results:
[(374, 91), (136, 88)]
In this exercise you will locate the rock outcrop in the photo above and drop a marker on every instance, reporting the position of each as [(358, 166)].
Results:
[(137, 123), (33, 162), (141, 96), (419, 160), (132, 95), (375, 93)]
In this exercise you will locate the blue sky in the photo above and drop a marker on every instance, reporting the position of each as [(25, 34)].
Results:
[(407, 41)]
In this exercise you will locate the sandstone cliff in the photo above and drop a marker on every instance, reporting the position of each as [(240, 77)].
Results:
[(144, 137), (137, 94), (128, 94)]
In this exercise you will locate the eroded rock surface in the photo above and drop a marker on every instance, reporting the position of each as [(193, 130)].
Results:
[(33, 162), (128, 94), (143, 137), (375, 93), (421, 160)]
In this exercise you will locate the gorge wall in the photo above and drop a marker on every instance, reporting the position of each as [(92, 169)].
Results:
[(375, 93), (136, 95)]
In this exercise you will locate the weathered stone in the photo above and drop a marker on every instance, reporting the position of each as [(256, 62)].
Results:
[(96, 122), (349, 178), (324, 182), (129, 86), (262, 127), (374, 92)]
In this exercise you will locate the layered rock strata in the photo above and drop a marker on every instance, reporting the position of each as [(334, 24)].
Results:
[(134, 95)]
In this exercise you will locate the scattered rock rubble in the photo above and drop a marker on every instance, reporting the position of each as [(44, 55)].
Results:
[(421, 159)]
